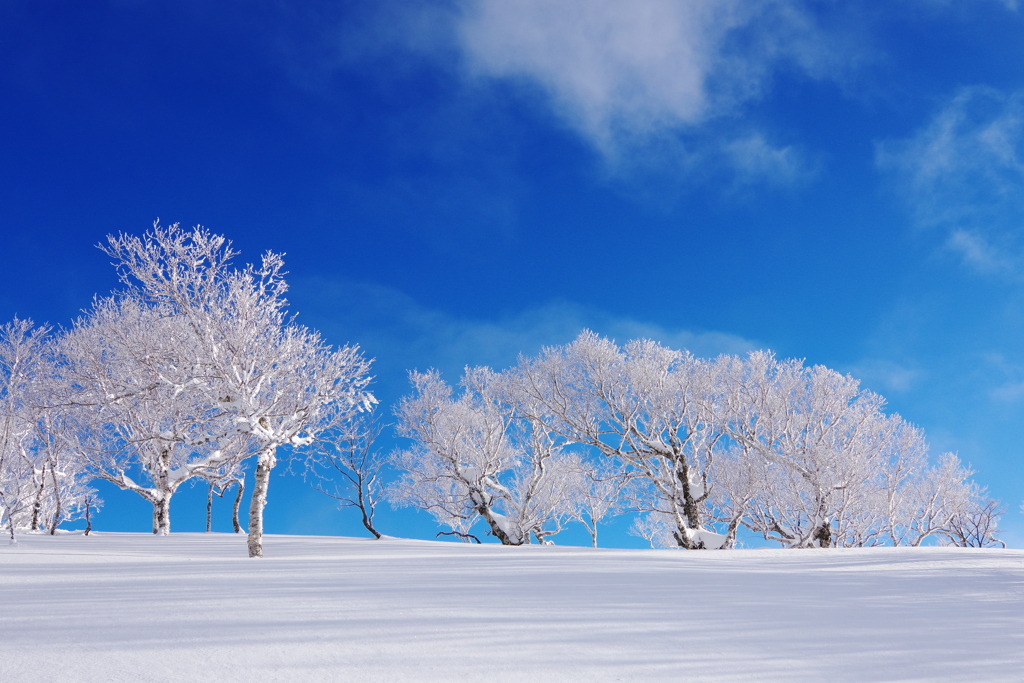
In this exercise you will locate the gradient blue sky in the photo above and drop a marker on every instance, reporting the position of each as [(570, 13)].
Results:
[(456, 182)]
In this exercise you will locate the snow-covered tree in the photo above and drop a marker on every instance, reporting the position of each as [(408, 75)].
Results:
[(596, 493), (651, 408), (799, 454), (942, 501), (273, 381), (142, 422), (473, 457), (815, 447), (41, 483)]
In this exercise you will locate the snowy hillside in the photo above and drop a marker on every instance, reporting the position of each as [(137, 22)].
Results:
[(127, 607)]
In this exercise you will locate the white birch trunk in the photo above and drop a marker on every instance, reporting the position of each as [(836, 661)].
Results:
[(162, 514), (265, 463)]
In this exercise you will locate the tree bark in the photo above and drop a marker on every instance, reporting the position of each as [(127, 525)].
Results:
[(238, 504), (10, 524), (209, 508), (56, 498), (162, 515), (496, 530), (88, 518), (823, 535), (265, 463), (367, 520), (37, 507)]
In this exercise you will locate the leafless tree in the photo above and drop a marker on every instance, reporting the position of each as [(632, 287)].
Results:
[(472, 457), (652, 409), (134, 394), (40, 484), (350, 455)]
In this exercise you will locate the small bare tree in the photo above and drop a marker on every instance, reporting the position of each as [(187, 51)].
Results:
[(596, 494), (350, 455), (219, 484)]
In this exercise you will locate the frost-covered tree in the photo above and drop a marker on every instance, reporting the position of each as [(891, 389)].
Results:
[(817, 462), (473, 457), (813, 448), (41, 483), (596, 493), (142, 421), (942, 501), (64, 493), (21, 350), (799, 454), (653, 409), (274, 382)]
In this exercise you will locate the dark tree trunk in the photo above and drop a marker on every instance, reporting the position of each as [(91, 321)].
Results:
[(162, 515), (37, 507), (56, 498), (209, 508), (238, 504), (823, 535)]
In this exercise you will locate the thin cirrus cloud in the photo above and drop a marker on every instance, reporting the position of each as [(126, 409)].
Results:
[(623, 75), (963, 173), (403, 334)]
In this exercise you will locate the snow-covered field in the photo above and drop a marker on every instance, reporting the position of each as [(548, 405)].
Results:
[(189, 607)]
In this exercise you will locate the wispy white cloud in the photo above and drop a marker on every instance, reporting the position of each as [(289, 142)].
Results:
[(963, 173), (620, 69), (883, 375), (404, 334), (1006, 377), (755, 159), (625, 74), (978, 253)]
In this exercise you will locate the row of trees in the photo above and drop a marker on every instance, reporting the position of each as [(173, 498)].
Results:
[(194, 369), (800, 455), (189, 371)]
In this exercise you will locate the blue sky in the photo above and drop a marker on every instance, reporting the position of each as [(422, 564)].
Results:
[(456, 182)]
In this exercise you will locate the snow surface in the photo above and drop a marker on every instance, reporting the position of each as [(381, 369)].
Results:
[(132, 607)]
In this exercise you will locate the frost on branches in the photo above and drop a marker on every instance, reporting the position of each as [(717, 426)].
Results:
[(142, 422), (263, 381), (800, 455), (473, 457), (42, 482)]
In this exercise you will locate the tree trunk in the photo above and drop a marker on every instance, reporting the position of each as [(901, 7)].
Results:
[(88, 518), (209, 508), (238, 504), (496, 530), (265, 463), (37, 507), (730, 536), (367, 519), (823, 535), (10, 524), (56, 499), (162, 514)]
